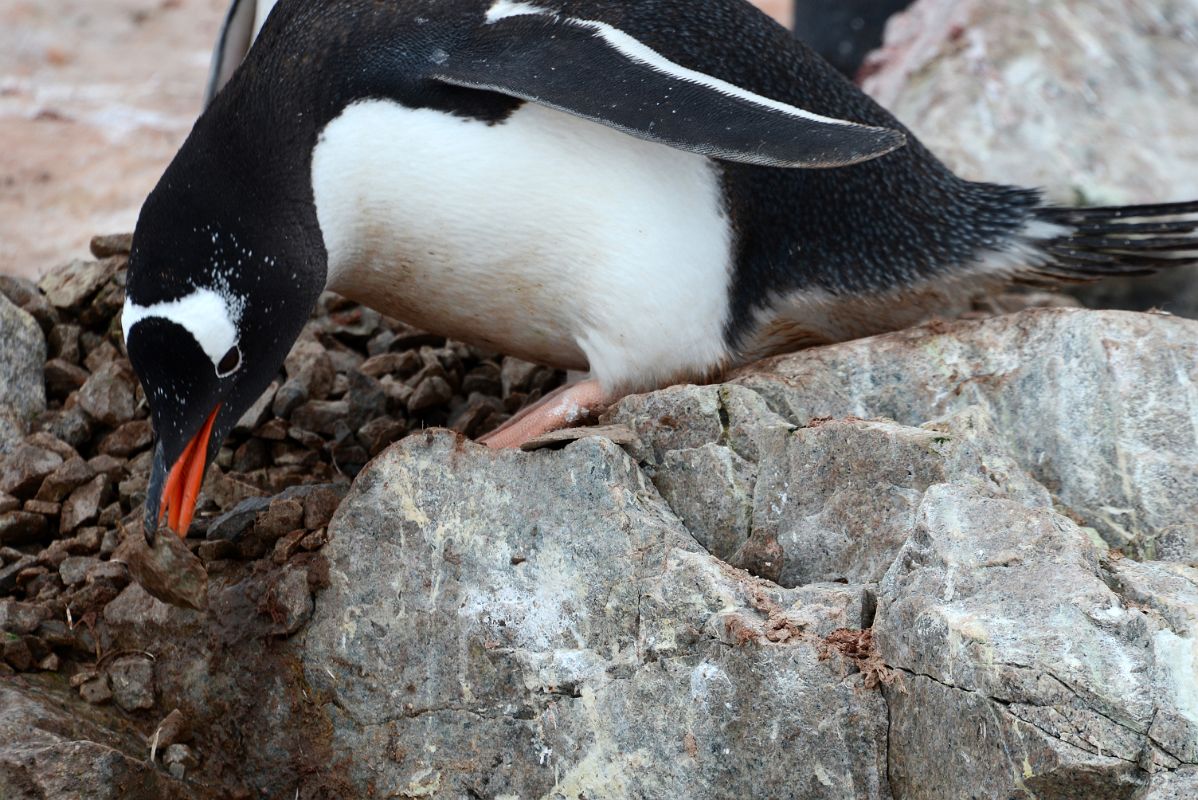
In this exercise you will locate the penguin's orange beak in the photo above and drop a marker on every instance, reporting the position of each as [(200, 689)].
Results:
[(183, 484)]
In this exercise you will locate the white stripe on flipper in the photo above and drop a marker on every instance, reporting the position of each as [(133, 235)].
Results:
[(635, 50), (506, 8), (204, 314)]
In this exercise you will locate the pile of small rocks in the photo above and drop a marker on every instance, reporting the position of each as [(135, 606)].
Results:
[(72, 491)]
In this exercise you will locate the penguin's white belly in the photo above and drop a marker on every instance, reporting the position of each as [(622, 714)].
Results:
[(546, 236)]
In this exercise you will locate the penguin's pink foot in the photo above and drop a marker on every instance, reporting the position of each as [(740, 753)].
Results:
[(566, 406)]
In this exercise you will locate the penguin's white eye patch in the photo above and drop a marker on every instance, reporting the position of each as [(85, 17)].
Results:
[(205, 314), (230, 363)]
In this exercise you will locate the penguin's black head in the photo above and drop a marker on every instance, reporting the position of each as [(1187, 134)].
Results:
[(212, 309)]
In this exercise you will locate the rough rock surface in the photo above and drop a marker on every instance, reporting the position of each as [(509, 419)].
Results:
[(22, 391), (911, 598), (52, 749), (956, 561), (1094, 100), (1111, 431), (1017, 619), (587, 645)]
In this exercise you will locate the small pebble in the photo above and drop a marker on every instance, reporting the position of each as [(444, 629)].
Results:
[(73, 569), (96, 691), (431, 392), (132, 681)]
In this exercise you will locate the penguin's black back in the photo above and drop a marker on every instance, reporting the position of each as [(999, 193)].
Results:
[(867, 228), (875, 226)]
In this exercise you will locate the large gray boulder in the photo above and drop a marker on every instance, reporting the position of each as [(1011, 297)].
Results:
[(831, 500), (22, 389), (550, 614), (1096, 101), (1029, 657), (1098, 407), (543, 626)]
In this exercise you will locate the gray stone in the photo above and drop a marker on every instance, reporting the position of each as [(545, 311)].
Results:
[(24, 294), (22, 391), (431, 392), (111, 244), (367, 400), (108, 396), (22, 527), (178, 759), (71, 284), (174, 728), (380, 432), (233, 524), (579, 660), (128, 439), (67, 477), (74, 569), (320, 416), (111, 572), (287, 398), (308, 364), (389, 363), (87, 540), (8, 574), (1181, 784), (96, 691), (283, 515), (15, 651), (167, 570), (132, 679), (23, 469), (71, 425), (83, 505), (1110, 432), (840, 498), (711, 489), (829, 502), (52, 443), (289, 601), (320, 502), (44, 507), (101, 355), (64, 342), (517, 376), (63, 377), (20, 618), (1005, 616), (257, 413)]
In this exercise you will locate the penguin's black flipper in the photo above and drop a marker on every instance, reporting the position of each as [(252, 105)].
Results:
[(1119, 240), (236, 36), (596, 71)]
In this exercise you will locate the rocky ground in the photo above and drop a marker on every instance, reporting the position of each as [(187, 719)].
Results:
[(953, 561), (75, 450), (943, 562)]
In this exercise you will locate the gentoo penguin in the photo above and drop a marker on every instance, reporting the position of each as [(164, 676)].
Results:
[(651, 191)]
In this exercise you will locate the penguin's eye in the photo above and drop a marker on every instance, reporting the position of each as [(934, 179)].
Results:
[(229, 363)]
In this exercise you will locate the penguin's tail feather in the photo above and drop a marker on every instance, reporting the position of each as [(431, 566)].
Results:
[(1087, 244)]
